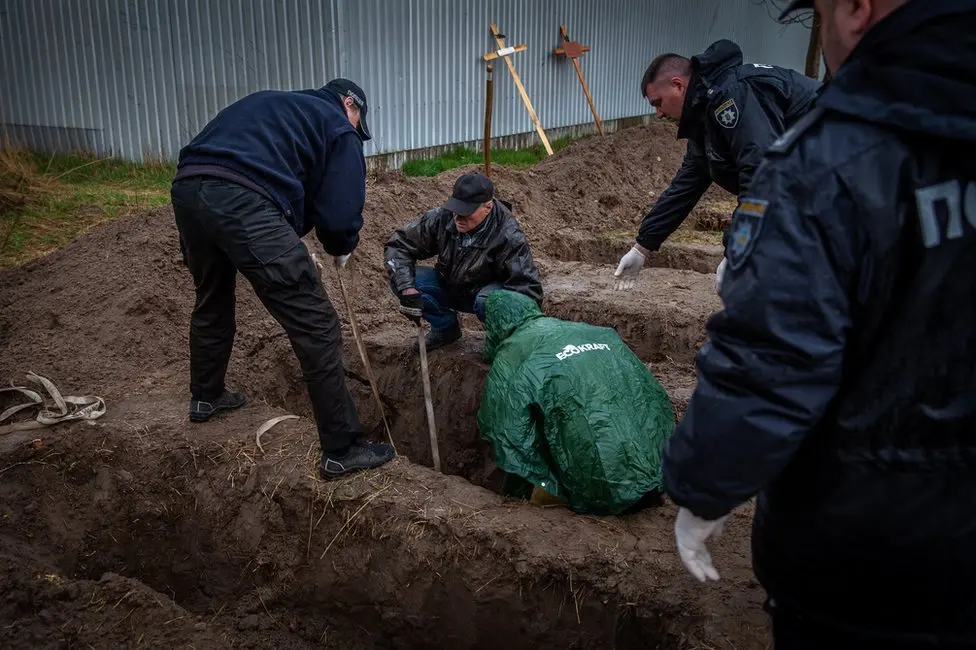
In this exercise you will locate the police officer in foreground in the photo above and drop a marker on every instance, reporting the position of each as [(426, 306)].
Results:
[(264, 172), (729, 112), (839, 380)]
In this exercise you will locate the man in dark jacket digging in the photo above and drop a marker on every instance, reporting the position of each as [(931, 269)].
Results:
[(480, 248), (263, 173), (729, 112), (839, 381)]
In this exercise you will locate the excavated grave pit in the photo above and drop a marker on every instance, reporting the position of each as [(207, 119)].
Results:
[(244, 548), (573, 245), (661, 319), (214, 544), (141, 529)]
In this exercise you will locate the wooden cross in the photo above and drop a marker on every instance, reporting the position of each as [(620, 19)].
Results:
[(489, 101), (506, 53), (573, 50)]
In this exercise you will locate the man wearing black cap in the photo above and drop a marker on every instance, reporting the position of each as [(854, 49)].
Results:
[(839, 381), (480, 247), (262, 174)]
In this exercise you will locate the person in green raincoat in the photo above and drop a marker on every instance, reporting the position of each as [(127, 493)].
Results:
[(570, 409)]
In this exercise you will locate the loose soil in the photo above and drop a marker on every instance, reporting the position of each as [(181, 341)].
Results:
[(140, 529)]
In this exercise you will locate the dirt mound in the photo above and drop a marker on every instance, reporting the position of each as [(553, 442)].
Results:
[(49, 610), (595, 185), (110, 309), (140, 528), (572, 190), (107, 311)]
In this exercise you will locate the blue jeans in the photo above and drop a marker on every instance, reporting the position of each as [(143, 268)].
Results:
[(441, 306)]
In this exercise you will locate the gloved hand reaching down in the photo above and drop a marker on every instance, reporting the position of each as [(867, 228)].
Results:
[(691, 533), (630, 265)]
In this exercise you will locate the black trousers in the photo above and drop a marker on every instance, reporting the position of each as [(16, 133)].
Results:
[(225, 228)]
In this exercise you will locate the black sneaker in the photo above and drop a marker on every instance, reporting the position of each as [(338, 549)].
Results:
[(439, 338), (201, 411), (360, 456)]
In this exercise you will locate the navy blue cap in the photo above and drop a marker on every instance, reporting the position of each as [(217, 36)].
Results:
[(346, 88)]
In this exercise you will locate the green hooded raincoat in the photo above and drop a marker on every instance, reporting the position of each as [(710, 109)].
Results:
[(570, 408)]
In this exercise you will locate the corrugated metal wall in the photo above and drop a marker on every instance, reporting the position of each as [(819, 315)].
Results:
[(137, 78)]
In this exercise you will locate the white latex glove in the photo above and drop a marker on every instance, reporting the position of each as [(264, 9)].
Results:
[(691, 533), (630, 265), (340, 261), (719, 274)]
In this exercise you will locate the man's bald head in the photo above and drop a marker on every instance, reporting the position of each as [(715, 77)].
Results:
[(843, 23)]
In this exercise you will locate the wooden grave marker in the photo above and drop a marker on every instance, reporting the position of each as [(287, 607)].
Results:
[(572, 50), (506, 53)]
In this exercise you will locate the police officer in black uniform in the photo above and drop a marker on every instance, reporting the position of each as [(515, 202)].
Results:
[(264, 172), (729, 112), (839, 380)]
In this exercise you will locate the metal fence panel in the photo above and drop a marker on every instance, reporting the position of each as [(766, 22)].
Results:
[(138, 78), (420, 60)]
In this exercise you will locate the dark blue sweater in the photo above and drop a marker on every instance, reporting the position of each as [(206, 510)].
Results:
[(301, 150)]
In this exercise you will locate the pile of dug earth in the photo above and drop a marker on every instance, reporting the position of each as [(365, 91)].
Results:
[(140, 530)]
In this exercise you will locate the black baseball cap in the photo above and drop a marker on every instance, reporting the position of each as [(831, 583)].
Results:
[(470, 192), (795, 6), (346, 88)]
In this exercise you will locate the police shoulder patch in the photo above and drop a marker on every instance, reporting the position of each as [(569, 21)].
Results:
[(747, 221), (727, 114)]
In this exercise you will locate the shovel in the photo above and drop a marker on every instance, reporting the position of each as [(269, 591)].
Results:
[(360, 345), (428, 400)]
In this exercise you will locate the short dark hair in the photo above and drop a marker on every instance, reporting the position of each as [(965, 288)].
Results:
[(669, 63)]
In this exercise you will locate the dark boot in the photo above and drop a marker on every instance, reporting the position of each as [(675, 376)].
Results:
[(361, 455), (652, 499), (201, 411), (439, 338)]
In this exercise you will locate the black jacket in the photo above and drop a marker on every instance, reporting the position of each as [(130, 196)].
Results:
[(732, 112), (297, 148), (839, 381), (497, 251)]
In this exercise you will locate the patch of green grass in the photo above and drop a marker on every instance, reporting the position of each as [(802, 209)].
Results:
[(80, 169), (70, 194), (460, 156)]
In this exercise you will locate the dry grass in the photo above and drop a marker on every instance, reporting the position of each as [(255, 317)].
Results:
[(703, 226), (17, 180), (48, 200), (692, 236), (713, 216), (20, 186), (288, 467)]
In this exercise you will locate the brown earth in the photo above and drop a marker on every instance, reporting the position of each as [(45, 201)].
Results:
[(140, 529)]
